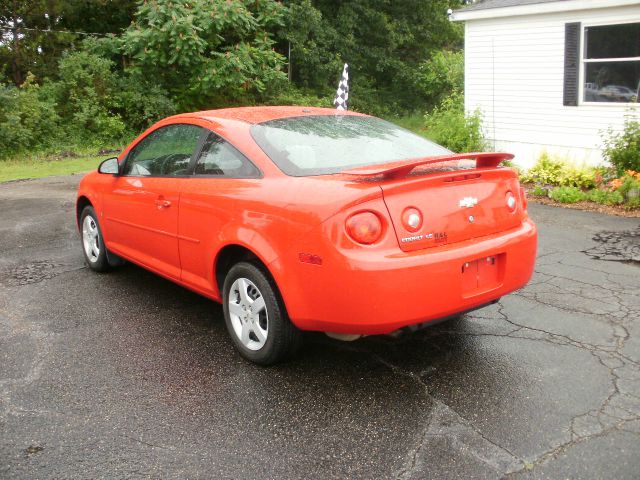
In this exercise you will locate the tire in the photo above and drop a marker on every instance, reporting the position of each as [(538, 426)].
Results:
[(95, 253), (261, 332)]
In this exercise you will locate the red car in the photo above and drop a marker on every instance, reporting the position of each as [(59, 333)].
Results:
[(310, 219)]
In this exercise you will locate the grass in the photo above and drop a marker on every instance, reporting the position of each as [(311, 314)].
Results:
[(46, 166)]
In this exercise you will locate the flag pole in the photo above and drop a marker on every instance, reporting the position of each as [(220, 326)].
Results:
[(341, 102)]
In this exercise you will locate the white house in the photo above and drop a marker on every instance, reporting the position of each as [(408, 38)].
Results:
[(551, 75)]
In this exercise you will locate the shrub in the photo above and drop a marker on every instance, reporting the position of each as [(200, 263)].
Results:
[(605, 197), (139, 102), (294, 96), (630, 188), (540, 191), (441, 75), (85, 94), (28, 118), (546, 171), (449, 126), (623, 149), (567, 194), (553, 171)]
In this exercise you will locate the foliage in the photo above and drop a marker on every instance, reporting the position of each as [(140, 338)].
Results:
[(198, 49), (567, 195), (80, 72), (605, 197), (442, 74), (27, 118), (89, 104), (448, 125), (540, 191), (383, 42), (37, 32), (623, 149), (628, 186), (84, 95), (553, 171), (140, 102), (295, 96)]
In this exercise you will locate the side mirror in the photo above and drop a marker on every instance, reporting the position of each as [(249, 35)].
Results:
[(110, 166)]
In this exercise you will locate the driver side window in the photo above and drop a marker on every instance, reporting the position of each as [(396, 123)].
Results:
[(164, 152)]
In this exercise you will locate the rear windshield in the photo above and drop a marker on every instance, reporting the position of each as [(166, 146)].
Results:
[(323, 144)]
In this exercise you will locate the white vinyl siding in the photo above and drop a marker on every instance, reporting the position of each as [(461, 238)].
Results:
[(514, 72)]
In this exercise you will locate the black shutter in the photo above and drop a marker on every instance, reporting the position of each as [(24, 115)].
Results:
[(571, 63)]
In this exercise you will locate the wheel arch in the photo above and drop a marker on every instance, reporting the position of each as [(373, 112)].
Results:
[(231, 254), (81, 204)]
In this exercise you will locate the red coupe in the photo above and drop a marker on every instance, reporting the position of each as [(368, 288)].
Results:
[(310, 219)]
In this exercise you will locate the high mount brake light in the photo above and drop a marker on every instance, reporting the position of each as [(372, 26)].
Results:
[(364, 227)]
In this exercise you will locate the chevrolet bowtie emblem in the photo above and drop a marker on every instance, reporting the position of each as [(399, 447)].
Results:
[(468, 202)]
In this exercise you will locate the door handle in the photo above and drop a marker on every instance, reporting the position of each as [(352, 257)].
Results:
[(162, 203)]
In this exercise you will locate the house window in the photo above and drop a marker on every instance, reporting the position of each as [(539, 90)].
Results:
[(611, 63)]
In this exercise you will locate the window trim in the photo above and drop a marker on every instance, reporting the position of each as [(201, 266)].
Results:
[(584, 62)]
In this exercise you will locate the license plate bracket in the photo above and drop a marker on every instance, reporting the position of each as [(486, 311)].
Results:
[(482, 274)]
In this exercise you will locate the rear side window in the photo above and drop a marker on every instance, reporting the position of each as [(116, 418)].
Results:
[(166, 151), (218, 157), (317, 145)]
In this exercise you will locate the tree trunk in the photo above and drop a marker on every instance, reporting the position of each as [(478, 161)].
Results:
[(16, 70)]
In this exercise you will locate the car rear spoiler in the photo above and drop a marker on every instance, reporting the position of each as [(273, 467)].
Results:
[(402, 168)]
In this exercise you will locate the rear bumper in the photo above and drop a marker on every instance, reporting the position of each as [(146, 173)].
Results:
[(366, 293)]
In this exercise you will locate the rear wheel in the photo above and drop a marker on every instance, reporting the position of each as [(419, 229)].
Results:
[(95, 253), (256, 318)]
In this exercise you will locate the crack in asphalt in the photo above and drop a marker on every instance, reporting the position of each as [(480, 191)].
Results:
[(610, 302), (607, 417)]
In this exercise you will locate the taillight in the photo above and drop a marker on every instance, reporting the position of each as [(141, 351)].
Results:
[(523, 195), (364, 227), (511, 201), (412, 219)]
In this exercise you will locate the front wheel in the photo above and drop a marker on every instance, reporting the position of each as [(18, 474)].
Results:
[(95, 253), (256, 318)]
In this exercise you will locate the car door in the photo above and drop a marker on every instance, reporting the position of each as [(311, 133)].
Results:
[(213, 200), (141, 207)]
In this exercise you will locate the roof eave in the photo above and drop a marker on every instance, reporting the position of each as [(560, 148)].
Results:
[(537, 8)]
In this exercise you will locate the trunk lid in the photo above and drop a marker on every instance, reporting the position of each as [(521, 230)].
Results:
[(455, 206)]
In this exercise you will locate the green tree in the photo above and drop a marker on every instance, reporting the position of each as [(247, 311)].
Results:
[(442, 74), (206, 52), (35, 33), (383, 42)]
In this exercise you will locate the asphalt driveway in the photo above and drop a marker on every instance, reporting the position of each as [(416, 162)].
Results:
[(128, 375)]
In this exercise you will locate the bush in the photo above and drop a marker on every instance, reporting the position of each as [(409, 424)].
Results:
[(85, 94), (442, 75), (623, 149), (605, 197), (28, 119), (552, 171), (140, 102), (449, 126), (540, 191), (294, 96), (630, 188), (567, 195)]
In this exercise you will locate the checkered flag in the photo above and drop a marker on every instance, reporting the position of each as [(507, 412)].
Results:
[(342, 95)]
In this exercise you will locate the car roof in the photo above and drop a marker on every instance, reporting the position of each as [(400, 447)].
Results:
[(262, 114)]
